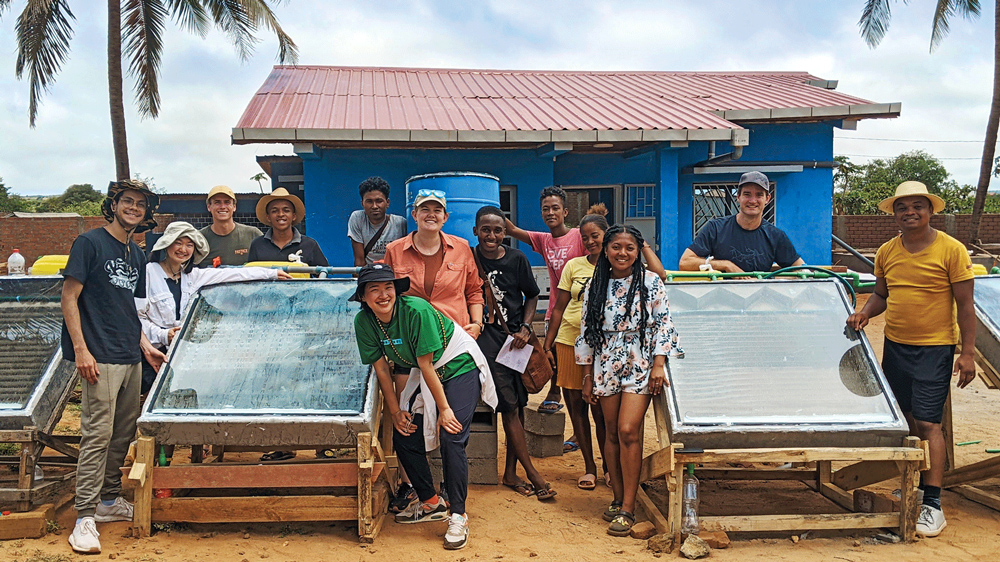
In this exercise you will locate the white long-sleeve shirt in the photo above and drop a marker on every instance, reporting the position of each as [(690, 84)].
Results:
[(158, 311)]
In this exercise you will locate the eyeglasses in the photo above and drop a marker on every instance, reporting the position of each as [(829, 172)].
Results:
[(130, 202), (431, 193)]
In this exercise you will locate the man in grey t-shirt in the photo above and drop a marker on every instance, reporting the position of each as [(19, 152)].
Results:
[(228, 240), (371, 220)]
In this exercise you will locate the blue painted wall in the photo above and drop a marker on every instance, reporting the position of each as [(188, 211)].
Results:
[(804, 199)]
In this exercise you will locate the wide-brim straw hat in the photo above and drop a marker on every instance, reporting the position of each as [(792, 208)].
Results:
[(280, 193), (115, 189), (180, 229), (909, 189), (375, 272)]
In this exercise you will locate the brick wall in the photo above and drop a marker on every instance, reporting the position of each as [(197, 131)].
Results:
[(39, 236), (871, 231)]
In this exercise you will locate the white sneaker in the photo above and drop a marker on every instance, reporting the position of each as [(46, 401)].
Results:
[(84, 538), (458, 532), (121, 510), (931, 521)]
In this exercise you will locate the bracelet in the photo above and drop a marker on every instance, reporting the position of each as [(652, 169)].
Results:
[(585, 377)]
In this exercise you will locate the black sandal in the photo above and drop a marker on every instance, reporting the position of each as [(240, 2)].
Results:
[(622, 524), (612, 511), (403, 498)]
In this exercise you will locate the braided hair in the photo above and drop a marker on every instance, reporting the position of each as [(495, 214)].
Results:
[(596, 298)]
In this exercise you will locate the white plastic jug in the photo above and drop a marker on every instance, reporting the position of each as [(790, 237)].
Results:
[(15, 263)]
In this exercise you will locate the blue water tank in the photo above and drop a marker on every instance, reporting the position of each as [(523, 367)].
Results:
[(465, 192)]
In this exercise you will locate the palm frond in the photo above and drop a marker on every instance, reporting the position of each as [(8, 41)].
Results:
[(142, 44), (968, 9), (191, 15), (4, 5), (874, 21), (240, 19), (44, 30), (260, 12)]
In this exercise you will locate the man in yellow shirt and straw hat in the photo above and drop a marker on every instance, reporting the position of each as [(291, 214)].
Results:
[(923, 282)]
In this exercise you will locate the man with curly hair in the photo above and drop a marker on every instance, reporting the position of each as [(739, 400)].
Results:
[(371, 228)]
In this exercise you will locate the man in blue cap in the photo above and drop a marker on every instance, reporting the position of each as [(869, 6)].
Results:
[(744, 241)]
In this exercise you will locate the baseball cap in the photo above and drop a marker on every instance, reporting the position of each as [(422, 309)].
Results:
[(756, 178), (430, 195), (224, 189)]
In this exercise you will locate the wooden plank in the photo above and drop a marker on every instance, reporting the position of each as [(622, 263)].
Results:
[(972, 472), (652, 512), (949, 436), (26, 475), (58, 445), (364, 483), (675, 501), (145, 453), (865, 473), (259, 509), (27, 525), (908, 483), (991, 501), (657, 464), (811, 454), (224, 475), (660, 414), (798, 522), (988, 374), (824, 476), (756, 474), (137, 473), (17, 435)]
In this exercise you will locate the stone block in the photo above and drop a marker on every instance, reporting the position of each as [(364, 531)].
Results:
[(481, 471), (715, 539), (694, 548), (870, 501), (484, 420), (643, 530), (660, 543), (544, 424), (540, 446)]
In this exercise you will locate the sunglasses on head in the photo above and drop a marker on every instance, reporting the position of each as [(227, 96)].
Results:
[(431, 193)]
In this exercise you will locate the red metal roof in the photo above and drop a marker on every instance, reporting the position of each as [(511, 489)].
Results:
[(407, 99)]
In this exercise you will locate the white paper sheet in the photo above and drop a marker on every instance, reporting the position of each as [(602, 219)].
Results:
[(516, 359)]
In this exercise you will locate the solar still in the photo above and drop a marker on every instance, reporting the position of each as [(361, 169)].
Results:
[(34, 377), (768, 363), (987, 302), (271, 352)]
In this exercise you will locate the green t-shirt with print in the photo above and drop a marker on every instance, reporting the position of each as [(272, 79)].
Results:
[(415, 330)]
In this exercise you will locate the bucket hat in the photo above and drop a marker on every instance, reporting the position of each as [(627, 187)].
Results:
[(280, 193), (180, 229), (908, 189), (375, 272), (116, 188)]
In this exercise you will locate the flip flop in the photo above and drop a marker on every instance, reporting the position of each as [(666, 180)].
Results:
[(546, 493), (569, 447), (549, 407), (607, 479), (326, 454), (522, 488), (587, 482), (277, 456)]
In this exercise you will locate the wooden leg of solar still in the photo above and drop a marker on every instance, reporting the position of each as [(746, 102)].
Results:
[(26, 474), (366, 523), (142, 475)]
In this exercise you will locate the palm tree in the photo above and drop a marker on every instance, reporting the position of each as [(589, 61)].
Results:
[(874, 23), (45, 28)]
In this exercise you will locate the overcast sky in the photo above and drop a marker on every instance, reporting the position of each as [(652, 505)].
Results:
[(205, 87)]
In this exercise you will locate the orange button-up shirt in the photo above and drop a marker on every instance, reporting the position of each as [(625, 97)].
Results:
[(457, 284)]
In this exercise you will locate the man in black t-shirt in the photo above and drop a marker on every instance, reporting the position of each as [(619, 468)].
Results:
[(102, 334), (744, 241)]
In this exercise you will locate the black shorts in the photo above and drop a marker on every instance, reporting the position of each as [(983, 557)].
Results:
[(920, 377), (511, 393)]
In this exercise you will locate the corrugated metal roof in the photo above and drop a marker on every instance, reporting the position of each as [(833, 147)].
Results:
[(299, 103)]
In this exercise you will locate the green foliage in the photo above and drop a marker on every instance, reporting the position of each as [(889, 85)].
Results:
[(858, 188), (11, 202), (80, 198)]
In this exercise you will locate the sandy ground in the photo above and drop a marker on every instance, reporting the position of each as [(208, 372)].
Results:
[(505, 526)]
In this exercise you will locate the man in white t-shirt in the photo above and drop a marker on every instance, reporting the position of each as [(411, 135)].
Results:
[(371, 228)]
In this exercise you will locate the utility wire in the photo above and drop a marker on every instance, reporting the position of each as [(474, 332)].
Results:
[(980, 141)]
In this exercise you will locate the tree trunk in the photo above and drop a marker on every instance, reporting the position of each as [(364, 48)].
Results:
[(989, 146), (115, 90)]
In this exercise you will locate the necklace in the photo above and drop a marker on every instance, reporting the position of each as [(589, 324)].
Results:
[(385, 334)]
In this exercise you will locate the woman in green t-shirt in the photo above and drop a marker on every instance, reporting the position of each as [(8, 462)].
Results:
[(447, 378)]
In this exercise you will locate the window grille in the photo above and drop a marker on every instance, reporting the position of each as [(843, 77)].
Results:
[(714, 200)]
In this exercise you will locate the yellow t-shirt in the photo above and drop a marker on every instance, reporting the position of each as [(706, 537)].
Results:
[(575, 278), (921, 306)]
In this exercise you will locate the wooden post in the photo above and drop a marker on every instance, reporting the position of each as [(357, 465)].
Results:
[(145, 455), (675, 488), (26, 473), (366, 524), (389, 452), (908, 507), (949, 435)]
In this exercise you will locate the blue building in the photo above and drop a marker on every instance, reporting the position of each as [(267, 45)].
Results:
[(663, 150)]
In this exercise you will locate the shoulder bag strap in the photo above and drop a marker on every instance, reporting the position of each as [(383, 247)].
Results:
[(489, 292), (378, 234)]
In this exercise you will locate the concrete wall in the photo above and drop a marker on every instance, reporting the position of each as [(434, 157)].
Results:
[(871, 231)]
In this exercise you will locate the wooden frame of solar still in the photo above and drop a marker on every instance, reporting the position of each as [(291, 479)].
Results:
[(265, 364), (769, 364)]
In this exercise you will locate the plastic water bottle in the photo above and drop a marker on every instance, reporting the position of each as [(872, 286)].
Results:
[(39, 475), (15, 263), (689, 507)]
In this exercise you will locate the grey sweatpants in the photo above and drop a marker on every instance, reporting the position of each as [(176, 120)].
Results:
[(108, 411)]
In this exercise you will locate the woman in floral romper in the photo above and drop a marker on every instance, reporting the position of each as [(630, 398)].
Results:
[(626, 336)]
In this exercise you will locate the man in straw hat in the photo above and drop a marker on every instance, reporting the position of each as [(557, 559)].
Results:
[(102, 334), (920, 277), (228, 241), (282, 242)]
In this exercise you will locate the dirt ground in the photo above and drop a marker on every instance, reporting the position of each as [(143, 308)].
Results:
[(505, 526)]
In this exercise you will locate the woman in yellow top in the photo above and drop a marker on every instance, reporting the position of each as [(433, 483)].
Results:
[(567, 314)]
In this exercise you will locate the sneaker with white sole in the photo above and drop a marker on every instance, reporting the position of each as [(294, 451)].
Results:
[(85, 537), (458, 532), (121, 510), (419, 512), (930, 522)]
